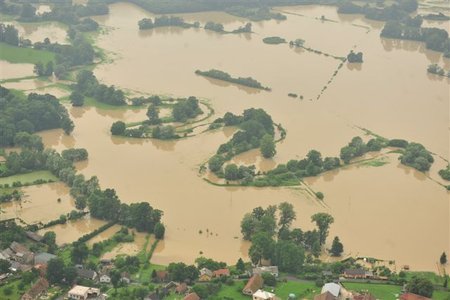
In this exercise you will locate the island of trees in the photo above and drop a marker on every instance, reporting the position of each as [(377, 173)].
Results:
[(437, 70), (221, 75), (165, 21), (183, 110), (257, 131), (274, 40), (410, 29), (354, 57)]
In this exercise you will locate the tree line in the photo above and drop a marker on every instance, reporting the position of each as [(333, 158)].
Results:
[(410, 29), (165, 21), (221, 75)]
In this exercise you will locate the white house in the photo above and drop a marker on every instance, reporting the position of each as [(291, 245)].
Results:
[(332, 288), (80, 292), (263, 295)]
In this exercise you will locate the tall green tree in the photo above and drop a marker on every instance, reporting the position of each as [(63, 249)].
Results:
[(287, 214), (337, 247), (267, 146), (55, 271), (420, 286), (323, 222), (443, 258)]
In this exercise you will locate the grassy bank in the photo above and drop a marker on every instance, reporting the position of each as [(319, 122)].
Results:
[(380, 291), (29, 178), (24, 55)]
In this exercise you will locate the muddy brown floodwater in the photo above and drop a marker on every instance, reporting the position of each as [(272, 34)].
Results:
[(390, 212)]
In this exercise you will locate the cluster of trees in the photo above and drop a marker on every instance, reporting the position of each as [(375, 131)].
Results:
[(164, 132), (354, 57), (106, 205), (44, 70), (75, 154), (65, 12), (294, 170), (272, 237), (445, 173), (88, 85), (79, 52), (255, 12), (186, 109), (30, 114), (435, 69), (255, 127), (436, 17), (274, 40), (410, 29), (221, 75), (9, 34), (297, 43), (217, 27), (397, 11), (357, 148), (247, 28), (164, 21), (415, 155)]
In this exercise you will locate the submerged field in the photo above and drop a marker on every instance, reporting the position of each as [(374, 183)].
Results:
[(386, 211)]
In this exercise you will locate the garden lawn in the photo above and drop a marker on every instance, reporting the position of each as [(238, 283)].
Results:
[(14, 54)]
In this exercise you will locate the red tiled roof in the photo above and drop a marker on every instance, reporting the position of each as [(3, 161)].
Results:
[(325, 296), (411, 296), (222, 272), (253, 284), (192, 296)]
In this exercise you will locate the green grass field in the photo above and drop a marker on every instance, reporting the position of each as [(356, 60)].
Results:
[(28, 178), (16, 293), (380, 291), (24, 55)]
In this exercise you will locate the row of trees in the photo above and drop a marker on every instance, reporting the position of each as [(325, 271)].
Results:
[(30, 114), (396, 11), (88, 85), (9, 34), (165, 21), (272, 238), (221, 75), (410, 29)]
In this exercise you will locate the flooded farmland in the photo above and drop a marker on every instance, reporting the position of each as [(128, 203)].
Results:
[(390, 212)]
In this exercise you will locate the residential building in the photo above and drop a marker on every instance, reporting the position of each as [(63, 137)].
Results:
[(269, 269), (205, 275), (263, 295), (80, 292), (87, 274), (181, 288), (357, 274), (325, 296), (34, 236), (411, 296), (43, 258), (221, 272), (191, 296), (254, 283), (331, 287)]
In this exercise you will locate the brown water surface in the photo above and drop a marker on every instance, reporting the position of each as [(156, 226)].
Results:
[(390, 212)]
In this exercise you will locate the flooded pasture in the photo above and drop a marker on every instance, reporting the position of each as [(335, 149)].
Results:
[(390, 212)]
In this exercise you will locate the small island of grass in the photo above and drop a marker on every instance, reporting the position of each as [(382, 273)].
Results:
[(221, 75), (274, 40)]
